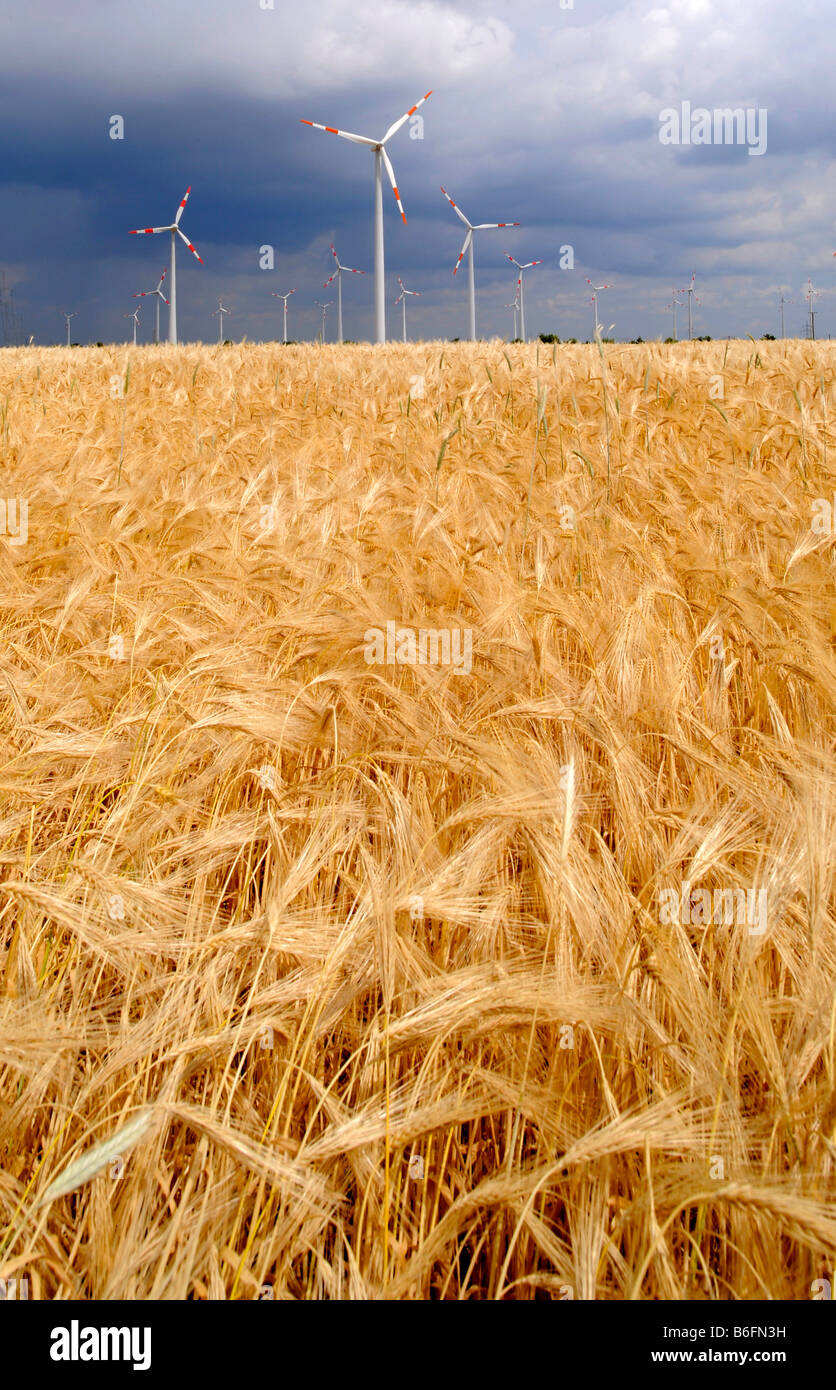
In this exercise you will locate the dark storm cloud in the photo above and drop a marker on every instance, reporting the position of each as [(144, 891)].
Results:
[(539, 114)]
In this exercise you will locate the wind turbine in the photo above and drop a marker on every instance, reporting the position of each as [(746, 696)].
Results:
[(781, 302), (521, 268), (324, 307), (135, 317), (596, 289), (160, 296), (515, 306), (811, 296), (68, 317), (380, 158), (468, 246), (174, 228), (402, 296), (284, 298), (674, 304), (338, 276), (689, 290), (220, 311)]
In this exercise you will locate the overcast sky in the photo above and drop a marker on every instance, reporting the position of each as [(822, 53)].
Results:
[(539, 114)]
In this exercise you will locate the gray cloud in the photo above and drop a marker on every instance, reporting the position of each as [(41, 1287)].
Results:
[(540, 114)]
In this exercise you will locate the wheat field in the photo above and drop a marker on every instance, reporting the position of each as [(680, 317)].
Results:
[(325, 975)]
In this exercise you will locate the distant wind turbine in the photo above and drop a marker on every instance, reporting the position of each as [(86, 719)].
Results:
[(689, 290), (521, 268), (674, 304), (468, 246), (135, 317), (338, 276), (160, 296), (284, 298), (380, 158), (220, 311), (596, 290), (68, 317), (402, 299), (781, 302), (811, 296), (174, 228), (324, 307)]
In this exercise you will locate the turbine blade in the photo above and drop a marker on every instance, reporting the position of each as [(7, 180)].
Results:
[(490, 226), (405, 117), (463, 251), (144, 231), (390, 171), (189, 244), (346, 134), (454, 206), (182, 205), (328, 281)]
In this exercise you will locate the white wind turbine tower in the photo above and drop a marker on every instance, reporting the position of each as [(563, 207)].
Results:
[(284, 298), (402, 297), (811, 296), (521, 268), (689, 290), (596, 290), (220, 311), (338, 276), (380, 158), (160, 296), (468, 246), (68, 317), (515, 306), (324, 307), (135, 317), (781, 302), (174, 228)]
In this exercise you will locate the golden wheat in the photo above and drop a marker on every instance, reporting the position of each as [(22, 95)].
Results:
[(365, 961)]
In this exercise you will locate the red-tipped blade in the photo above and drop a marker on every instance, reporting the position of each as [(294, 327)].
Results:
[(189, 244), (405, 117), (182, 205), (390, 171), (454, 206)]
